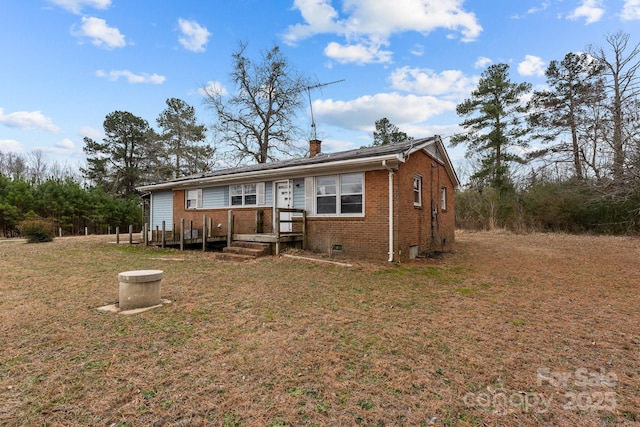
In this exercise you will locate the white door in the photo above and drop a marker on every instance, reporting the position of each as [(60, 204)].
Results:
[(283, 200)]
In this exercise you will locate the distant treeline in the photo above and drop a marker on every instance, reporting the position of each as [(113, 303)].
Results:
[(65, 204), (571, 206)]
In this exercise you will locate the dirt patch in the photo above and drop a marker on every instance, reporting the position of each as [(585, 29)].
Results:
[(525, 330)]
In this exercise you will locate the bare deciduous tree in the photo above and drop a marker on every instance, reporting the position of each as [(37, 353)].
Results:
[(258, 120), (623, 85)]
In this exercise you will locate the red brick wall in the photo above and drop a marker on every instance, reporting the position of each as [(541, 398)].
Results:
[(417, 226), (368, 237), (359, 237)]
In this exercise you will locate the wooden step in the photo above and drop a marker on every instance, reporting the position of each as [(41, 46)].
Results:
[(265, 247), (255, 252), (242, 251)]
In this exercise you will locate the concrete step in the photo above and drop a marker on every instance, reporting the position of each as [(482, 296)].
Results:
[(233, 257)]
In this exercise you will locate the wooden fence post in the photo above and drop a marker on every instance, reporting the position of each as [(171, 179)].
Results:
[(182, 234), (304, 229), (164, 235), (117, 235), (229, 227), (204, 232), (131, 234), (278, 231)]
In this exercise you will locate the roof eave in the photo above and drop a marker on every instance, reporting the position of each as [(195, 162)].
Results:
[(367, 163), (447, 163)]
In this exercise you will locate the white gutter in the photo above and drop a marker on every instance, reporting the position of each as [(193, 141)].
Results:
[(384, 164)]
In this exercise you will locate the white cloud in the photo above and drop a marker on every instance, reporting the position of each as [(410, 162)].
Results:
[(28, 120), (590, 10), (194, 36), (319, 16), (368, 25), (131, 77), (64, 147), (101, 34), (362, 113), (418, 50), (337, 145), (357, 53), (65, 144), (482, 62), (90, 132), (213, 88), (427, 82), (75, 6), (536, 9), (533, 10), (531, 66), (630, 10), (10, 146)]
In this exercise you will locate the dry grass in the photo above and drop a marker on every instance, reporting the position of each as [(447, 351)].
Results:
[(460, 340)]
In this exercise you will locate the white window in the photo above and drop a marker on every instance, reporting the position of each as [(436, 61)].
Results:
[(417, 190), (340, 194), (246, 194), (193, 199), (443, 198)]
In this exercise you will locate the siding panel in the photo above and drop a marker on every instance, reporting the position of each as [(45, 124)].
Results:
[(268, 193), (215, 197), (298, 193), (162, 210)]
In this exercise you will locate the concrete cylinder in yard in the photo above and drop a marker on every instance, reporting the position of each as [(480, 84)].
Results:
[(139, 288)]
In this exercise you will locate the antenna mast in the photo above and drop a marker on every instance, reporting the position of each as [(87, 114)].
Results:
[(308, 88)]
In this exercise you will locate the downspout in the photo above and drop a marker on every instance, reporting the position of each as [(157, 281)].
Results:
[(434, 208), (384, 164)]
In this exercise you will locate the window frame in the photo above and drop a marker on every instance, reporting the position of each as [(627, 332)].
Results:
[(257, 193), (188, 197), (417, 191), (338, 195), (443, 198)]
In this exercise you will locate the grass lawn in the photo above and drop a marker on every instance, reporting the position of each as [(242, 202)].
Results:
[(522, 330)]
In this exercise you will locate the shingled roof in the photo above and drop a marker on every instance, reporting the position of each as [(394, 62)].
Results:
[(398, 149)]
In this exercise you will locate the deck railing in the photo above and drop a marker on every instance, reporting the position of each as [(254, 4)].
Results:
[(189, 235), (293, 219)]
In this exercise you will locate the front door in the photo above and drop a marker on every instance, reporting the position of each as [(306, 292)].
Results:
[(283, 200)]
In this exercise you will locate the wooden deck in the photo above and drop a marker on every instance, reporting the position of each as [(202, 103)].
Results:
[(272, 238), (164, 238)]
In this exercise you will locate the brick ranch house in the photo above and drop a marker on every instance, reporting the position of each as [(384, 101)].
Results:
[(392, 202)]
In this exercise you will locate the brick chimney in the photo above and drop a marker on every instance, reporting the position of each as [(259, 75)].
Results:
[(314, 147)]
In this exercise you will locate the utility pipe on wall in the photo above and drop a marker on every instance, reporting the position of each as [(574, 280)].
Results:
[(384, 163)]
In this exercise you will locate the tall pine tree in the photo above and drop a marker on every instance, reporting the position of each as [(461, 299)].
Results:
[(123, 159), (388, 133), (494, 128), (184, 150), (575, 86)]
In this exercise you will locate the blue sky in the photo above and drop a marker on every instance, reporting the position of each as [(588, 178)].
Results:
[(66, 64)]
